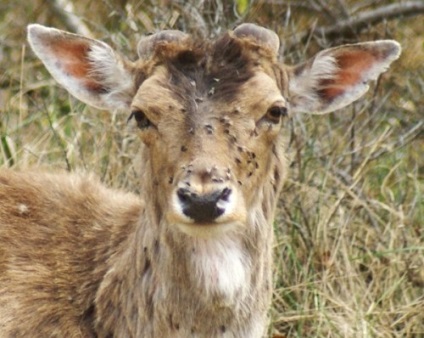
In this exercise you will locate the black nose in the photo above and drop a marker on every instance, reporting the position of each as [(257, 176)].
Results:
[(203, 208)]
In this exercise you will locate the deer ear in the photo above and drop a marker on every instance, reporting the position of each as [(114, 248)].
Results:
[(89, 69), (338, 76)]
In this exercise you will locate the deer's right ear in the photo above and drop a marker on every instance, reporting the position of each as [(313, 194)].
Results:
[(89, 69)]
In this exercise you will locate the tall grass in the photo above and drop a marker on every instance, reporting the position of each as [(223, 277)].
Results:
[(349, 250)]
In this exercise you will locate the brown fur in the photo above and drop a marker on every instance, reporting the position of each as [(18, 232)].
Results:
[(51, 264), (80, 260)]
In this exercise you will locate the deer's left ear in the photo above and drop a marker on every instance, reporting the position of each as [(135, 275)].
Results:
[(338, 76), (89, 69)]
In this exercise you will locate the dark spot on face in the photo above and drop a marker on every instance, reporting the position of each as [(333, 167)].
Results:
[(239, 182), (276, 175), (223, 328), (183, 149), (156, 247), (250, 174), (209, 129), (238, 161), (171, 180), (232, 138), (146, 265)]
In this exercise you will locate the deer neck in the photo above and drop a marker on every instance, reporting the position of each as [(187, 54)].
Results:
[(187, 284)]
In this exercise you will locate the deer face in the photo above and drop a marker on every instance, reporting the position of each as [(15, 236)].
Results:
[(209, 154), (210, 113)]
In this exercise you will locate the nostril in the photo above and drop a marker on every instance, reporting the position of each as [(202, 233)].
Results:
[(183, 195), (225, 195)]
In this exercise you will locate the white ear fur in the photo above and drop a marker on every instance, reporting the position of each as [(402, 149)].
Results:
[(89, 69), (338, 76)]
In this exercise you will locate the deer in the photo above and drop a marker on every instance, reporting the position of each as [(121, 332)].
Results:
[(191, 254)]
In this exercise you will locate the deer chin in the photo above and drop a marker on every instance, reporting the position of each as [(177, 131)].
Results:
[(209, 230)]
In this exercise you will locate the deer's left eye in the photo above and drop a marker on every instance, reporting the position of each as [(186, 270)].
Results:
[(275, 114)]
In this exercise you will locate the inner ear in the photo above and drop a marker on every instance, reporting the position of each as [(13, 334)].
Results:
[(354, 66), (338, 76), (75, 61)]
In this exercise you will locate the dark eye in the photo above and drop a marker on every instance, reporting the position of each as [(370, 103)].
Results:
[(275, 113), (141, 119)]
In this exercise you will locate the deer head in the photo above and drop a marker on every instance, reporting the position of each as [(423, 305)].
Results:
[(210, 114)]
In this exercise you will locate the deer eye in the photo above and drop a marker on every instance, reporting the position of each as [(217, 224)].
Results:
[(275, 113), (142, 121)]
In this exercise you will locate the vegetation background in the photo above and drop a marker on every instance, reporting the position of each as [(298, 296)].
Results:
[(349, 251)]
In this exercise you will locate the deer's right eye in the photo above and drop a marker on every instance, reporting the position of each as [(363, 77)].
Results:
[(142, 121)]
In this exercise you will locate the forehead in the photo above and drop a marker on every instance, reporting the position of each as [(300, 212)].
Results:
[(218, 75), (159, 88)]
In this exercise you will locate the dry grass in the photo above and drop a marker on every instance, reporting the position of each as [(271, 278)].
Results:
[(350, 229)]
